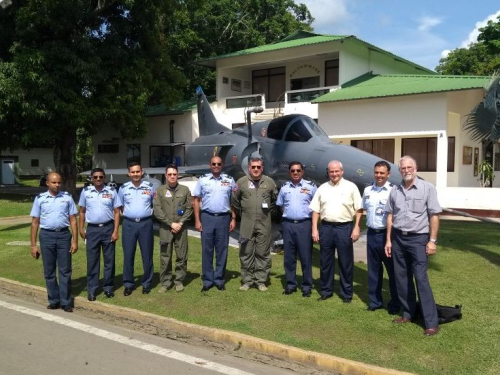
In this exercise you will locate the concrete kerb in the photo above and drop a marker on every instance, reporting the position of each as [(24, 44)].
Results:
[(284, 352)]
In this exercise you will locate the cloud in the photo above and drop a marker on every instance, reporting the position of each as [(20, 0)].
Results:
[(472, 38), (426, 23), (328, 14)]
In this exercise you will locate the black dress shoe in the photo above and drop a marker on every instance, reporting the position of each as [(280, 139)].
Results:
[(53, 306), (67, 308), (91, 297), (306, 294), (109, 293), (393, 311), (146, 290), (127, 292), (369, 308), (220, 287), (325, 297), (346, 300), (206, 288), (288, 291)]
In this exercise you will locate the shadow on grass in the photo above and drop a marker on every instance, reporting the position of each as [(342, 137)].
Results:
[(16, 227)]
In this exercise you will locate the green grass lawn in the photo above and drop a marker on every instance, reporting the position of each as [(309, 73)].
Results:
[(15, 204), (464, 271)]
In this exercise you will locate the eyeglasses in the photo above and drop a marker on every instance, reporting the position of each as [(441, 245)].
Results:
[(98, 177), (295, 170), (256, 167), (216, 164)]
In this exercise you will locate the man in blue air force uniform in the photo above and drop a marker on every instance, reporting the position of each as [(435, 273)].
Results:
[(137, 198), (100, 209), (294, 198), (374, 200), (54, 212), (212, 196)]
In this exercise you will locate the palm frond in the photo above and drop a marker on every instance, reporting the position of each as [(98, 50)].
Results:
[(483, 122)]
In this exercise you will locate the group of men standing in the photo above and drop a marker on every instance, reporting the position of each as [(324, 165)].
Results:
[(402, 225)]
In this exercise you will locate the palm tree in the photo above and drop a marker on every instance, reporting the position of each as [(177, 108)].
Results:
[(483, 123)]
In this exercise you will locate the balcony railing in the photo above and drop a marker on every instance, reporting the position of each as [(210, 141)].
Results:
[(257, 100), (307, 95)]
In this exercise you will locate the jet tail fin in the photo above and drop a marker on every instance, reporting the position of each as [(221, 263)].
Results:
[(207, 122)]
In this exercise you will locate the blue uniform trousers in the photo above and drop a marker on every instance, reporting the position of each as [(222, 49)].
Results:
[(98, 238), (55, 248), (336, 236), (297, 240), (133, 232), (215, 235), (376, 260), (410, 259)]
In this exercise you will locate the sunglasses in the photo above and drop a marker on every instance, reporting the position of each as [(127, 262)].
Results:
[(256, 167), (98, 177), (295, 170), (216, 164)]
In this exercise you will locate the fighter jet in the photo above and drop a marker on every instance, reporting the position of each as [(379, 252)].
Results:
[(279, 141)]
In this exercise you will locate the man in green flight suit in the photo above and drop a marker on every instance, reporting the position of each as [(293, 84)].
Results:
[(172, 207), (254, 198)]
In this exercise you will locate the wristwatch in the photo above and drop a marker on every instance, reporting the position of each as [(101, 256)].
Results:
[(433, 240)]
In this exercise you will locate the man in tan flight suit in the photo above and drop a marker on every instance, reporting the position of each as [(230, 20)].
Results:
[(254, 198)]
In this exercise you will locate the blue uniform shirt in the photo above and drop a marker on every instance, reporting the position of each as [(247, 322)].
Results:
[(295, 199), (99, 205), (54, 211), (137, 202), (215, 193), (374, 201)]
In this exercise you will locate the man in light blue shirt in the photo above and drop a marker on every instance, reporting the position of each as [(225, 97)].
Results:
[(100, 209), (137, 198), (54, 212), (294, 199), (374, 200), (214, 219)]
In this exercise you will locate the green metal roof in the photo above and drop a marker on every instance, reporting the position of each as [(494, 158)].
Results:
[(370, 86), (176, 109), (304, 38)]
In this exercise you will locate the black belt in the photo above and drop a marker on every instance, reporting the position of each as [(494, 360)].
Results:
[(57, 230), (296, 221), (406, 233), (139, 219), (334, 224), (100, 225), (377, 230), (216, 214)]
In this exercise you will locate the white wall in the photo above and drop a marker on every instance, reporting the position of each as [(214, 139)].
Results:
[(45, 158), (158, 134), (412, 113), (239, 73)]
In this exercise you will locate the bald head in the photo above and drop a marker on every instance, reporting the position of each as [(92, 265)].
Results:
[(54, 182)]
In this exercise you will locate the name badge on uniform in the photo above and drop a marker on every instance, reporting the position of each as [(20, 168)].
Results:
[(251, 185), (265, 205), (168, 194), (379, 211)]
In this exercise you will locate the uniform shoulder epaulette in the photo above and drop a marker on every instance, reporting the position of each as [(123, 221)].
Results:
[(86, 188), (225, 175), (66, 193), (40, 195), (391, 184), (150, 184), (310, 183), (206, 175)]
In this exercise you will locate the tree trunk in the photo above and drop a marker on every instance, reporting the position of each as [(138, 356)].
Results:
[(65, 160)]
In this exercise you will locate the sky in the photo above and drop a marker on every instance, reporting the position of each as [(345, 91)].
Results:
[(421, 31)]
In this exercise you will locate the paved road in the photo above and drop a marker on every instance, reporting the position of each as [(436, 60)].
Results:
[(42, 342)]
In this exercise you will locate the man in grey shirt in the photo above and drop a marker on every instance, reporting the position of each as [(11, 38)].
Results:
[(412, 229)]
